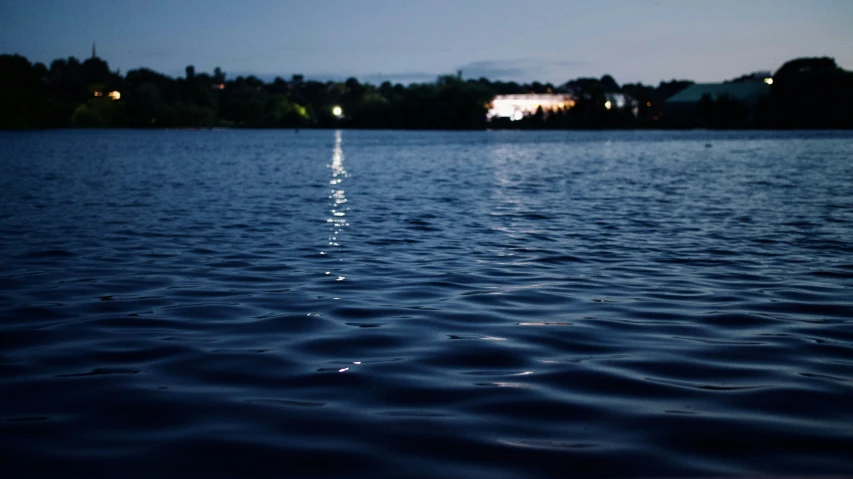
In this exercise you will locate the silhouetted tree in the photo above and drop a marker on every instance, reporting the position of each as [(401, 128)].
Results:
[(807, 93), (22, 95), (812, 93), (609, 84), (94, 70), (218, 76)]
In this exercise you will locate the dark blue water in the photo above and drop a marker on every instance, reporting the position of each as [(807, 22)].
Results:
[(402, 304)]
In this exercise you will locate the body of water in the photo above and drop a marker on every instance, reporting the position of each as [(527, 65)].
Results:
[(425, 304)]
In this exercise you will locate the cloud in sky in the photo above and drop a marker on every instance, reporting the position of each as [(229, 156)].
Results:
[(521, 70), (401, 77), (517, 69), (375, 78)]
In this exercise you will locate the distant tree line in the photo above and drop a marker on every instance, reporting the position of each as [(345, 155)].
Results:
[(806, 93)]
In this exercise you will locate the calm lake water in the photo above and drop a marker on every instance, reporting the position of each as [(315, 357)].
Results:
[(425, 304)]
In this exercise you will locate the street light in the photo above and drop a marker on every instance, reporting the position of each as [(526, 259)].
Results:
[(337, 111)]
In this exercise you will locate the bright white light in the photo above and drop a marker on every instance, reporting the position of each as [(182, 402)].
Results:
[(337, 111), (608, 104), (505, 106), (768, 81), (517, 115)]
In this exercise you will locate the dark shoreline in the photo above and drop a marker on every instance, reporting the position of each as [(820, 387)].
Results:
[(805, 93)]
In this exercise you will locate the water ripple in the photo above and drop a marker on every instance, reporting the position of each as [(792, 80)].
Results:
[(393, 304)]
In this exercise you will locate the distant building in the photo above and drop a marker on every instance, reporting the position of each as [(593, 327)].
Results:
[(685, 106), (516, 107), (747, 92)]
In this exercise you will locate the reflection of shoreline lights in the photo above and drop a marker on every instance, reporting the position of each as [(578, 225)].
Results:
[(338, 218), (516, 107)]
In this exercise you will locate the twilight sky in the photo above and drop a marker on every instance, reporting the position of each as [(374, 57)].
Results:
[(406, 40)]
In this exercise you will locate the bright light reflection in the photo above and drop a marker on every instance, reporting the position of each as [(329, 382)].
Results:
[(337, 198)]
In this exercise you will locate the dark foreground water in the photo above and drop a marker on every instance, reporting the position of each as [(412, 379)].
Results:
[(399, 304)]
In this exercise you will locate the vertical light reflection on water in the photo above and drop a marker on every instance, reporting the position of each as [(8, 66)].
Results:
[(337, 197), (507, 200), (338, 209)]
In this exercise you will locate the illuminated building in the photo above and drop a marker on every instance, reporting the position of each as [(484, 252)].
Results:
[(516, 107)]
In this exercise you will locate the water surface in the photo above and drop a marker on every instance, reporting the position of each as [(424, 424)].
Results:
[(404, 304)]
